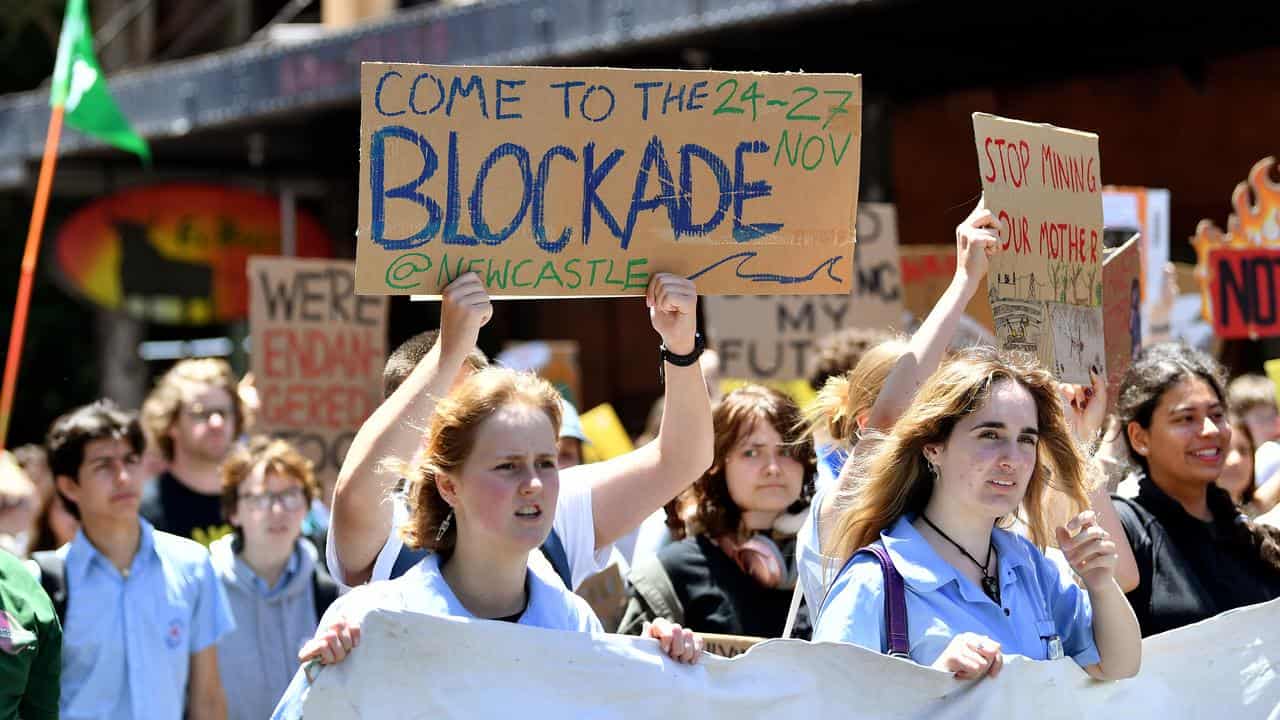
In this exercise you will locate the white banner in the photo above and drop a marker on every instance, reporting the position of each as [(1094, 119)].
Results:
[(411, 665)]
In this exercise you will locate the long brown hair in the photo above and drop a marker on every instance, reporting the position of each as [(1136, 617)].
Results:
[(714, 512), (898, 481), (451, 437)]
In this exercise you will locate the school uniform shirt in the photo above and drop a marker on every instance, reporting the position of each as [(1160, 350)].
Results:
[(574, 523), (423, 589), (1188, 569), (815, 571), (174, 508), (259, 657), (831, 459), (128, 640), (1041, 604), (30, 645)]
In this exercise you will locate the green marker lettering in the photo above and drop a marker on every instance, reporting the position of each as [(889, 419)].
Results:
[(548, 271), (497, 279), (608, 277), (515, 274), (593, 263), (642, 278), (568, 269)]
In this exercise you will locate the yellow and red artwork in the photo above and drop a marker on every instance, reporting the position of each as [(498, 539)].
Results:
[(1239, 270), (175, 254)]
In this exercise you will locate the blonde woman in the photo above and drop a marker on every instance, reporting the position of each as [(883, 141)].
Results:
[(984, 442)]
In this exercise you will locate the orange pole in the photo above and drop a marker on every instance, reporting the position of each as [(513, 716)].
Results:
[(14, 357)]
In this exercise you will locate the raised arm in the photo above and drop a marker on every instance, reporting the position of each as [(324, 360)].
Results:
[(977, 238), (1090, 551), (361, 519), (1086, 410), (629, 488)]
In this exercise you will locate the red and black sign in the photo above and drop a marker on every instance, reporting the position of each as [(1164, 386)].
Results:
[(1244, 283)]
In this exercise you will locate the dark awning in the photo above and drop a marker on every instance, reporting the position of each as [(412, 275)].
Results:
[(254, 82)]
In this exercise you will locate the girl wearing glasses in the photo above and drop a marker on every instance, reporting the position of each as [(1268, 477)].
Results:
[(276, 587)]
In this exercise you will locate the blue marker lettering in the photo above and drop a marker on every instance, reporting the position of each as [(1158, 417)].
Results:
[(408, 191), (377, 94), (744, 191)]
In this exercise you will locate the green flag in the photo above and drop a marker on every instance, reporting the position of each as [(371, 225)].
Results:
[(79, 86)]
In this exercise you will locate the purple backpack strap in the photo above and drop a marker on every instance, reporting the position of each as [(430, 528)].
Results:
[(895, 604)]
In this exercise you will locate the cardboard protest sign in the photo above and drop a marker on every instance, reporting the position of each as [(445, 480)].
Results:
[(553, 360), (771, 337), (606, 593), (926, 272), (1239, 270), (798, 390), (1045, 286), (1144, 211), (728, 645), (876, 299), (586, 181), (606, 436), (1122, 312), (317, 355), (1272, 368)]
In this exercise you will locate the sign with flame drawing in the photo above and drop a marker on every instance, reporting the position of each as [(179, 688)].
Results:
[(1238, 270)]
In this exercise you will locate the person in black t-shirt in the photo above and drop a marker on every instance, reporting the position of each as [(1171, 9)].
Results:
[(1198, 554), (736, 574), (194, 415)]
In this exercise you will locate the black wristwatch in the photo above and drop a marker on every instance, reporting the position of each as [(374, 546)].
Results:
[(666, 356)]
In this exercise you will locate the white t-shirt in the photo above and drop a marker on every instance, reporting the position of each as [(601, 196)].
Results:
[(1266, 463), (574, 523)]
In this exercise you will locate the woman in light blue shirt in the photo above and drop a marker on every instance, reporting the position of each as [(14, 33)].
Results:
[(984, 442)]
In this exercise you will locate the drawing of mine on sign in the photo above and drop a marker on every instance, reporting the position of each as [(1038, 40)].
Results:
[(1019, 325)]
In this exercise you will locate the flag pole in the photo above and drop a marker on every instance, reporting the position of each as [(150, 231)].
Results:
[(29, 257)]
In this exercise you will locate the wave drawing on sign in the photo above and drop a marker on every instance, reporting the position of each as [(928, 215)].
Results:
[(747, 256)]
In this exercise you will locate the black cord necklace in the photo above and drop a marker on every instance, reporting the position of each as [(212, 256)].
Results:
[(990, 583)]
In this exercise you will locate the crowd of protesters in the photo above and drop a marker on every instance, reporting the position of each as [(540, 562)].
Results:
[(170, 563)]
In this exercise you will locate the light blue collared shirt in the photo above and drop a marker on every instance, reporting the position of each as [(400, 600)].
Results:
[(128, 641), (1040, 602), (290, 571)]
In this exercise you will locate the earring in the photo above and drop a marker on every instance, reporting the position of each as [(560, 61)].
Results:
[(444, 526)]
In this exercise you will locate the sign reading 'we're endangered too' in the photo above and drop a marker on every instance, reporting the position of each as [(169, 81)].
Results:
[(586, 181)]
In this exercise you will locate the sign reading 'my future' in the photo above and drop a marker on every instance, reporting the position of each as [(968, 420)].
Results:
[(586, 181), (1045, 284)]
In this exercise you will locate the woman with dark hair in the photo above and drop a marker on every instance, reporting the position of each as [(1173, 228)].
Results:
[(1197, 554), (736, 572)]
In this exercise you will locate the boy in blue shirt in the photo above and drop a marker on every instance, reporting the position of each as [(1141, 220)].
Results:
[(144, 609)]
